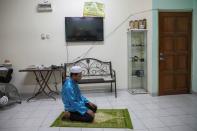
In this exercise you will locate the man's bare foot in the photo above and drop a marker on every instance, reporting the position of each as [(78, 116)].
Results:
[(66, 115), (90, 112)]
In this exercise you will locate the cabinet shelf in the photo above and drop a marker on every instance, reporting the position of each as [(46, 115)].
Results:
[(136, 62), (138, 46), (135, 30), (137, 59), (135, 76)]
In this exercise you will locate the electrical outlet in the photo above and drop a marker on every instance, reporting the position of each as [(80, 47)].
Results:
[(47, 36), (43, 36)]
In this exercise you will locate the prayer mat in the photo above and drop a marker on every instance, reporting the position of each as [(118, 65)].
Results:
[(104, 118)]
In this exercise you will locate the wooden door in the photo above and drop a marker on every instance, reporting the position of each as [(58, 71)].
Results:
[(174, 52)]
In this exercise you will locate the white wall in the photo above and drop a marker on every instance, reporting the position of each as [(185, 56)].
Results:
[(21, 27)]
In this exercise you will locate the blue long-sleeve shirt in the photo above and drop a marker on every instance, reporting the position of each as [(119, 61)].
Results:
[(72, 98)]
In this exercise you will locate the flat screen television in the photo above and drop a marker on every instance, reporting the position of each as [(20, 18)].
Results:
[(84, 29)]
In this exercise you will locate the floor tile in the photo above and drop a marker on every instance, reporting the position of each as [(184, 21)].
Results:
[(69, 129), (48, 129), (152, 122), (182, 128), (171, 121), (144, 114), (31, 122), (92, 129), (160, 129), (113, 129), (14, 123), (21, 129), (138, 124)]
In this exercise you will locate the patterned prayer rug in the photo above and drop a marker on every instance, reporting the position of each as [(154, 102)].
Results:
[(104, 118)]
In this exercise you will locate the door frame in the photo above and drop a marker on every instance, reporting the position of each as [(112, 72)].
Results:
[(191, 42)]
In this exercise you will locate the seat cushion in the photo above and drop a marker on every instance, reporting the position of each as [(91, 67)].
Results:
[(95, 79)]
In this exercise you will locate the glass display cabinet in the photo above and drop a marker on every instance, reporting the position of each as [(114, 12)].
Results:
[(137, 61)]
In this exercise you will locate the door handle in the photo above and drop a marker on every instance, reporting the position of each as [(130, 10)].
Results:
[(161, 59), (161, 54)]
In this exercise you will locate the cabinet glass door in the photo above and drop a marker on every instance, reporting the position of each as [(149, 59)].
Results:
[(137, 61)]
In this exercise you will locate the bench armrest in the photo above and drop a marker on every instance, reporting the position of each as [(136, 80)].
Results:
[(113, 74), (63, 77)]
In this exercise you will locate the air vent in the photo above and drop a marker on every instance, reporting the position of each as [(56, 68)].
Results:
[(45, 7)]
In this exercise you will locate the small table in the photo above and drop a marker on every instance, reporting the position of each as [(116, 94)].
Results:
[(42, 77)]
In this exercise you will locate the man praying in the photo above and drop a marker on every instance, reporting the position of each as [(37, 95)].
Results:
[(77, 107)]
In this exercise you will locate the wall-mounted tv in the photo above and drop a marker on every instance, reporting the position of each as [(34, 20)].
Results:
[(84, 29)]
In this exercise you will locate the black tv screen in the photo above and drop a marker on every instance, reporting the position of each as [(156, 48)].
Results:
[(84, 29)]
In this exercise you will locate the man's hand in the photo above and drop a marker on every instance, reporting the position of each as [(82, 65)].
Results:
[(90, 112), (66, 115)]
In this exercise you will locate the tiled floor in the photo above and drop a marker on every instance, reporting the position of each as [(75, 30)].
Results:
[(165, 113)]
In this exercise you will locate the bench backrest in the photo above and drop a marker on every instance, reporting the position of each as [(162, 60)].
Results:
[(91, 67)]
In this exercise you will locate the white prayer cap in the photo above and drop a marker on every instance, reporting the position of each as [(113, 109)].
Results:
[(76, 69)]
